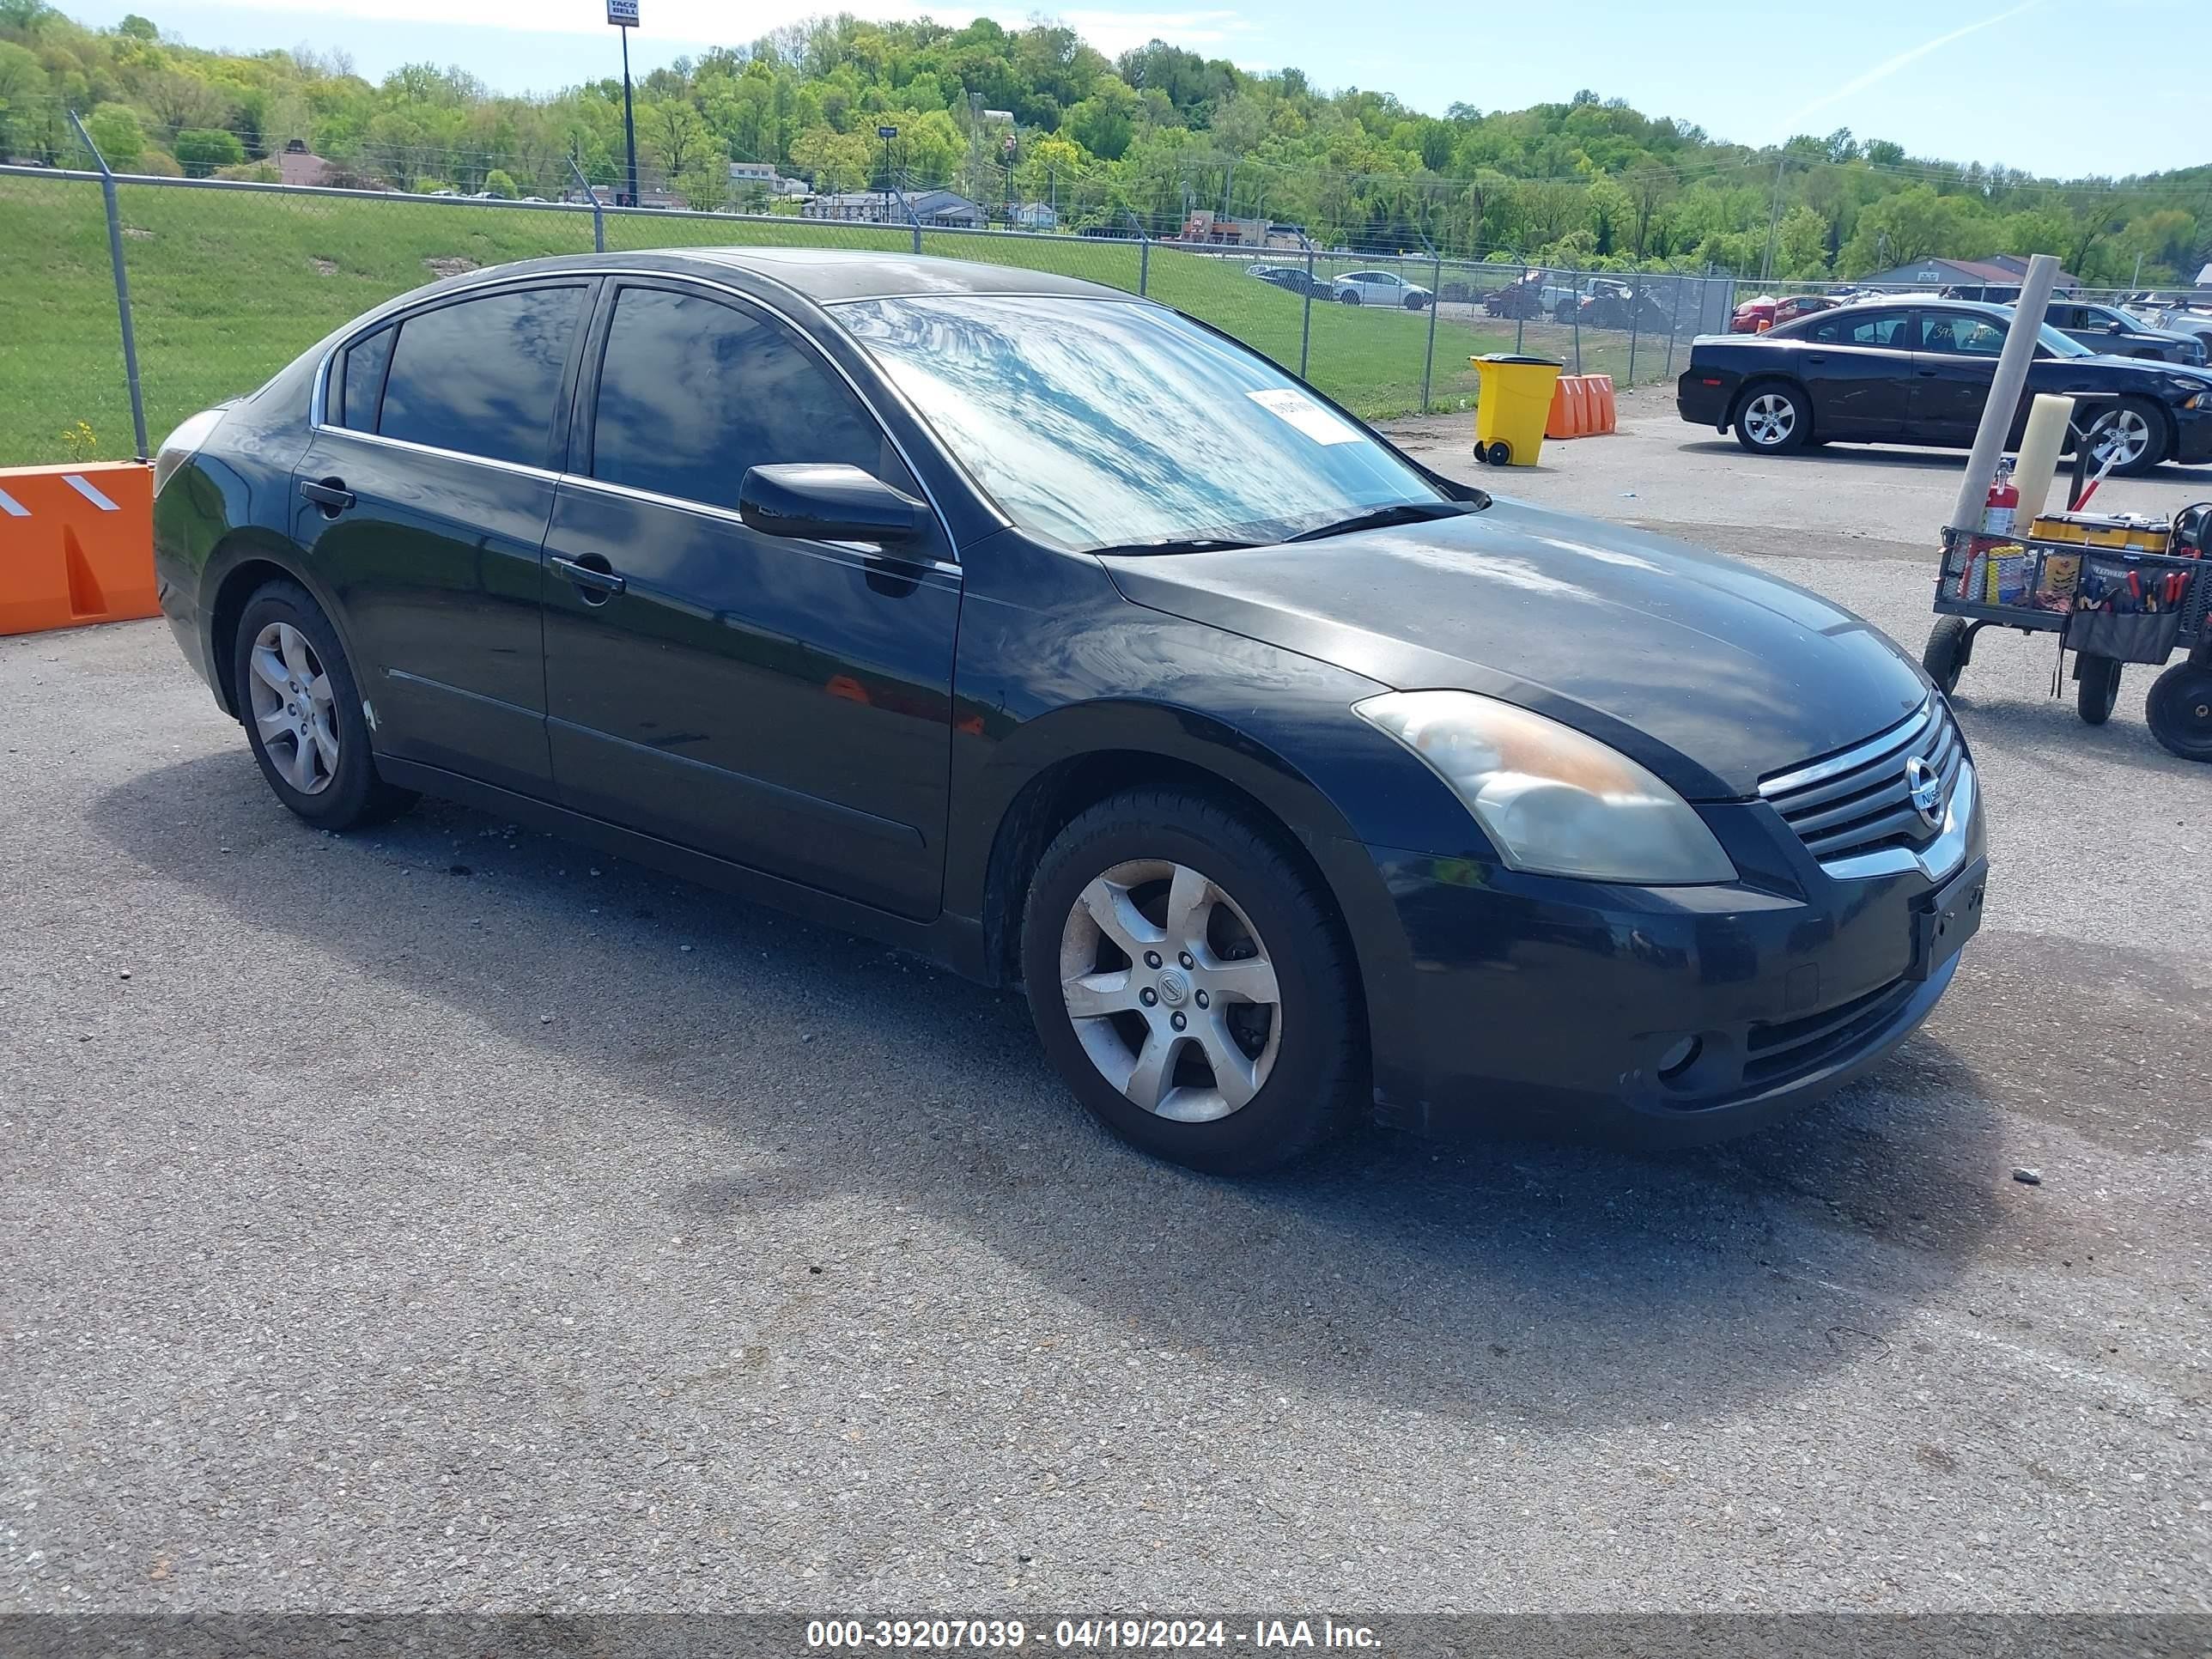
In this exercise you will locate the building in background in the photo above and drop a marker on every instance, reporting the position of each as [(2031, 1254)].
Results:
[(1996, 277)]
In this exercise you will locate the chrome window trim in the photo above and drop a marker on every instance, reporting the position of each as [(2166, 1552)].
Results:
[(1938, 859), (1852, 759), (708, 510), (523, 468), (316, 408)]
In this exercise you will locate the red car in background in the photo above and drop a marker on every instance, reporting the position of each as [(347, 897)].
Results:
[(1757, 316)]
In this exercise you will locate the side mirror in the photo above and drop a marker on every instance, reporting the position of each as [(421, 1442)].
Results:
[(823, 502), (2117, 328)]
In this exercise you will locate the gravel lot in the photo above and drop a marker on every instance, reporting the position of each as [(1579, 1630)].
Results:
[(445, 1218)]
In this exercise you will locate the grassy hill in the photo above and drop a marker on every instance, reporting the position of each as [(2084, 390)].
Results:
[(227, 286)]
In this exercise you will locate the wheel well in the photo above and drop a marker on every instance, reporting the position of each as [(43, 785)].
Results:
[(230, 598), (1054, 798), (1743, 394)]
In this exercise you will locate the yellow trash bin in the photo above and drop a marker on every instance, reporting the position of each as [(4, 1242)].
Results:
[(1513, 400)]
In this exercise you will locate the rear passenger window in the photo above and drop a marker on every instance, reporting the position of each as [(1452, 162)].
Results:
[(357, 385), (693, 392), (482, 377)]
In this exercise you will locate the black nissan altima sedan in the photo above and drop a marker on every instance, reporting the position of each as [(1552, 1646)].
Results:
[(1050, 633)]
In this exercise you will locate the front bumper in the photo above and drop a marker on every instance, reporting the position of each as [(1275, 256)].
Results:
[(1547, 1006), (2192, 436)]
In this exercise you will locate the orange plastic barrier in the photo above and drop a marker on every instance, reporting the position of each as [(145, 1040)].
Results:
[(1560, 423), (77, 546), (1604, 417)]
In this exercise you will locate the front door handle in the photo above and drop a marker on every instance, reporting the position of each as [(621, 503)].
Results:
[(1926, 374), (329, 493), (1816, 357), (593, 574)]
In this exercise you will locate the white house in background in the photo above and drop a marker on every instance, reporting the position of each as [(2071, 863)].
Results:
[(1037, 216), (763, 175)]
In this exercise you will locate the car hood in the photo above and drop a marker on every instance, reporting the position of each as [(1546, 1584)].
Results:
[(1708, 672)]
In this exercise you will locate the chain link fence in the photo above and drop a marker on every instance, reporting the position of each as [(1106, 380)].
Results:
[(229, 280)]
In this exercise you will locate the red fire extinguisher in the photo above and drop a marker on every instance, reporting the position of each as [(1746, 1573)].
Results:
[(2001, 512)]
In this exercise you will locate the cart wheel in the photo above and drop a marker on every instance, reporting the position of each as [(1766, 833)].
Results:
[(1950, 648), (1480, 458), (2180, 710), (1501, 453), (2097, 688)]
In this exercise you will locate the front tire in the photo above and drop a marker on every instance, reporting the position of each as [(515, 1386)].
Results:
[(295, 693), (2137, 429), (1772, 420), (1186, 979), (1350, 296)]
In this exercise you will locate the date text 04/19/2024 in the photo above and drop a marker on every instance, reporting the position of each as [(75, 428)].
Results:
[(1095, 1631)]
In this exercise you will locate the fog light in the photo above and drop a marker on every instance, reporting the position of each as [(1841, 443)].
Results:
[(1679, 1058)]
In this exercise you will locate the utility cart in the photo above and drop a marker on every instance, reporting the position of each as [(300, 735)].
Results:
[(2116, 591)]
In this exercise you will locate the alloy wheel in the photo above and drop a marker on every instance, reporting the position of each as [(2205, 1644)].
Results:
[(2122, 439), (291, 708), (1170, 990), (1770, 418)]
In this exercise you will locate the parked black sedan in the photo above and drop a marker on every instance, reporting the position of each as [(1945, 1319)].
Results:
[(1039, 629), (1918, 372)]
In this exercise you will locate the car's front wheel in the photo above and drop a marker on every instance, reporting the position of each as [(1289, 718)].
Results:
[(1350, 296), (1771, 420), (294, 691), (1189, 984), (2132, 437)]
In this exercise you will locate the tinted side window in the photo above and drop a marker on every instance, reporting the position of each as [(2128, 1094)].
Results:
[(1892, 329), (482, 376), (693, 392), (357, 381), (1961, 335)]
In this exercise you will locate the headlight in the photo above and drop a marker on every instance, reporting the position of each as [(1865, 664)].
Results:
[(184, 443), (2183, 384), (1554, 801)]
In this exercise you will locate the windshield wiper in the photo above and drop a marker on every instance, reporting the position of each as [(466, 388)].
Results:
[(1380, 518), (1178, 544)]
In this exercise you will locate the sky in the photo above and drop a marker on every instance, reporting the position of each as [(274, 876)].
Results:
[(2055, 87)]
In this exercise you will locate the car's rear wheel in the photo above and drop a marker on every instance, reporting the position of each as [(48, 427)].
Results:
[(1771, 420), (2132, 436), (295, 693), (1189, 984)]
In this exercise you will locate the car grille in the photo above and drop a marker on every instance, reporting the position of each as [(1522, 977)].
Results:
[(1859, 801), (1787, 1049)]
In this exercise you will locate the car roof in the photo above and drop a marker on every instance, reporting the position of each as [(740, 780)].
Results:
[(823, 275)]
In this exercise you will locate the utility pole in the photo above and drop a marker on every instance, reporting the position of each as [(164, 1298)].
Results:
[(1773, 219), (622, 14), (887, 133)]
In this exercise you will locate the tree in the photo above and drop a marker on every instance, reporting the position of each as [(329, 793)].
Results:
[(137, 27), (201, 150), (22, 88), (838, 161), (705, 184), (114, 129), (1106, 121), (674, 136), (1801, 244), (501, 182)]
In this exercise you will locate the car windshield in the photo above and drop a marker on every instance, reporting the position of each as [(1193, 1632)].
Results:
[(1114, 423)]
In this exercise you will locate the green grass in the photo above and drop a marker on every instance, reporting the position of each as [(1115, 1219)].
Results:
[(227, 287)]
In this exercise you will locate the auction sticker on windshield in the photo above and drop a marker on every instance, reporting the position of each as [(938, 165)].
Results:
[(1303, 413)]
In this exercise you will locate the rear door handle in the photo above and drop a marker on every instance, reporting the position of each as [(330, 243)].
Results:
[(329, 493), (1926, 374), (599, 580), (1816, 357)]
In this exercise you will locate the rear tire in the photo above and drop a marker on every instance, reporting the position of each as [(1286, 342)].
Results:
[(2140, 427), (1771, 419), (2096, 688), (294, 692), (1158, 894)]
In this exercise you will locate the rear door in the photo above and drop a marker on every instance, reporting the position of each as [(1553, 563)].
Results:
[(1952, 372), (431, 492), (1857, 365), (786, 704)]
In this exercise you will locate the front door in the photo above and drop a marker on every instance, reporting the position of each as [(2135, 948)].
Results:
[(422, 501), (1858, 367), (783, 703)]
